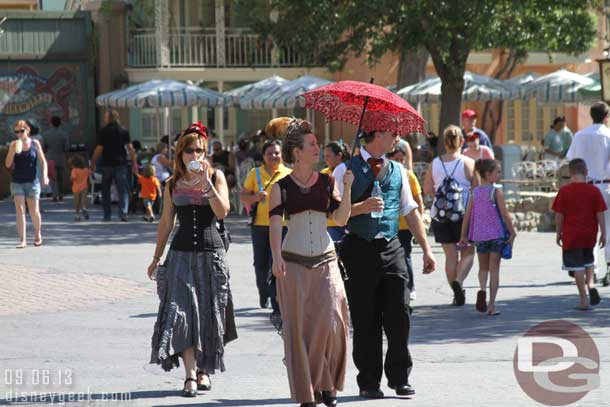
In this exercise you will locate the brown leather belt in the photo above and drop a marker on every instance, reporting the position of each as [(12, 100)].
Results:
[(599, 181)]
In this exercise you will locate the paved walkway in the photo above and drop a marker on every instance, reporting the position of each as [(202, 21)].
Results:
[(76, 315)]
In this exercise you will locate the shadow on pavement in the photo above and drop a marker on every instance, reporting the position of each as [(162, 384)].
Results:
[(446, 323)]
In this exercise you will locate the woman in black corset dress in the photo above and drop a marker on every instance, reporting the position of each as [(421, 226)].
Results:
[(189, 324)]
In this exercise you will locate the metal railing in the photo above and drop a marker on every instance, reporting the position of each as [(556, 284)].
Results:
[(191, 46)]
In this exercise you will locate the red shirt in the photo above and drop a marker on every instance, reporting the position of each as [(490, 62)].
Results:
[(579, 203)]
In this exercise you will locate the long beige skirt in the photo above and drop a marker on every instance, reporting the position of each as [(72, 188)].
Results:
[(315, 328)]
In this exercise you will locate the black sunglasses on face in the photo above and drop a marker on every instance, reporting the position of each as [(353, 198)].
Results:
[(190, 150), (20, 131)]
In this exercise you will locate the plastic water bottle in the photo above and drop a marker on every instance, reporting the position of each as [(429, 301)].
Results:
[(376, 193)]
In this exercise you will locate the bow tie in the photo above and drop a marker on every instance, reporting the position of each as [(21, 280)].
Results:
[(376, 164)]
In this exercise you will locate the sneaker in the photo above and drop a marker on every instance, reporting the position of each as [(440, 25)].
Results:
[(77, 218), (123, 218), (85, 214), (413, 296)]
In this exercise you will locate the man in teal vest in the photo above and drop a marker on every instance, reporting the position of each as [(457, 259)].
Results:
[(375, 264)]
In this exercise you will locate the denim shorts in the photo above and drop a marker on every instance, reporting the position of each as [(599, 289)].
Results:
[(27, 189), (148, 202), (490, 246)]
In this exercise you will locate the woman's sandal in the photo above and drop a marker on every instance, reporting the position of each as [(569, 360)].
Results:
[(38, 242), (203, 386), (186, 392), (21, 245)]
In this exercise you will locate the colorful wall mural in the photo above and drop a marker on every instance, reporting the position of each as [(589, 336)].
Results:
[(38, 91)]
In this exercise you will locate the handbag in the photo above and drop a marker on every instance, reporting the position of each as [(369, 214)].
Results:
[(507, 248)]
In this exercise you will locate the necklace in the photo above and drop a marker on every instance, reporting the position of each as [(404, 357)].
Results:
[(304, 190)]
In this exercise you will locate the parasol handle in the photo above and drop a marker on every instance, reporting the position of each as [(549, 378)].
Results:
[(359, 131)]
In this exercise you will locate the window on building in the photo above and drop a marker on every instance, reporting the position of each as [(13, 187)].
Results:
[(526, 134), (540, 127), (150, 125), (510, 121)]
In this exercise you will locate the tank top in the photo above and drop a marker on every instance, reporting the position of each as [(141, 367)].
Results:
[(25, 165), (485, 221), (438, 175)]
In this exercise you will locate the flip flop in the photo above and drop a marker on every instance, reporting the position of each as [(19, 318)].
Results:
[(594, 296), (582, 309), (21, 246), (38, 244), (493, 314)]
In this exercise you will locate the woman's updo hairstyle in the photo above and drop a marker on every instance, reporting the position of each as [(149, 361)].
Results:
[(338, 147), (295, 136), (453, 137)]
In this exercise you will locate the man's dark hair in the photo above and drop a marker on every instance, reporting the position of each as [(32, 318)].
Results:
[(599, 111), (56, 121), (577, 167), (368, 136)]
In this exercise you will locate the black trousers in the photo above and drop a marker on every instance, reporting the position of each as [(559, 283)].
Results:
[(378, 295)]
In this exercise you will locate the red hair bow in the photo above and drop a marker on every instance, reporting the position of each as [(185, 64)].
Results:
[(198, 128)]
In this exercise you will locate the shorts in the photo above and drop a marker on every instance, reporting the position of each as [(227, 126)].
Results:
[(577, 259), (490, 246), (27, 189), (148, 202), (446, 233)]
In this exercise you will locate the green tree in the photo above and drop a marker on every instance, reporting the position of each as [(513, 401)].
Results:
[(328, 31)]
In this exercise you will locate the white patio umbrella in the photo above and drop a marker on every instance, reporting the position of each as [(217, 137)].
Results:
[(161, 94), (561, 86), (287, 96), (252, 90), (476, 88)]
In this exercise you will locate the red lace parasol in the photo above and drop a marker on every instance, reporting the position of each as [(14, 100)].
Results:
[(385, 111)]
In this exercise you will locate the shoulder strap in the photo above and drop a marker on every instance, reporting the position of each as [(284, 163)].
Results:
[(257, 171)]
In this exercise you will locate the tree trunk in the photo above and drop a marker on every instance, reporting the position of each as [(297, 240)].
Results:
[(412, 67), (451, 104)]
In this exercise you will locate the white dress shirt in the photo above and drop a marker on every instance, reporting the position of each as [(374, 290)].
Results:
[(338, 173), (592, 144), (407, 203)]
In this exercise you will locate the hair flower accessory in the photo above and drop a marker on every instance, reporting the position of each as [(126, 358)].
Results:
[(199, 128)]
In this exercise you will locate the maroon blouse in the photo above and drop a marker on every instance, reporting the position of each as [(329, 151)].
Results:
[(295, 199)]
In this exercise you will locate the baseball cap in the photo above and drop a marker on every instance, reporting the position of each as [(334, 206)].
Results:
[(469, 113)]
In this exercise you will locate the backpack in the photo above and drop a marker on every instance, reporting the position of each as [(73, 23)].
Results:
[(448, 198)]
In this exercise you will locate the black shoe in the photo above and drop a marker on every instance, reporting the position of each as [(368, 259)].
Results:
[(403, 389), (189, 393), (371, 394), (276, 320), (458, 293), (106, 219), (328, 400), (308, 404), (594, 297), (123, 218), (204, 387), (264, 303), (606, 280)]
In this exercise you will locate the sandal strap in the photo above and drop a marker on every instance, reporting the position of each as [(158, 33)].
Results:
[(190, 379)]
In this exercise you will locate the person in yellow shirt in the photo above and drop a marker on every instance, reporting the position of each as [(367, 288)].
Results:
[(404, 234), (335, 157), (254, 194)]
